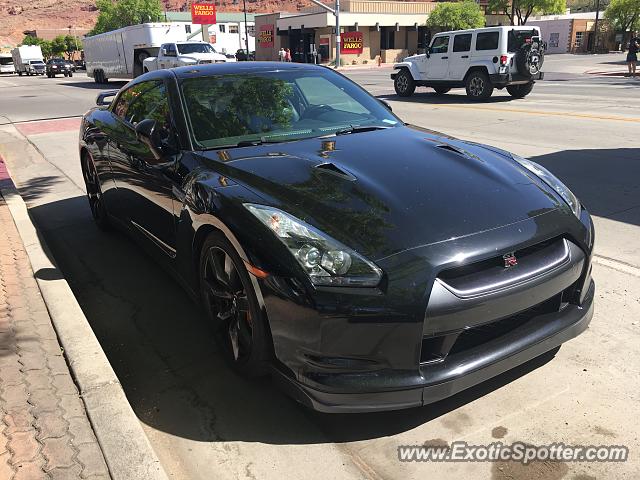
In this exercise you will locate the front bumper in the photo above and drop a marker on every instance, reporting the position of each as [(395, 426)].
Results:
[(504, 79), (458, 372)]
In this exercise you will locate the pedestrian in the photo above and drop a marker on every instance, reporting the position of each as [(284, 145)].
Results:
[(282, 55), (632, 55), (287, 55)]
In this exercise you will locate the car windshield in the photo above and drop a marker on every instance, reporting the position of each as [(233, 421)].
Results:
[(187, 48), (36, 62), (264, 107), (58, 60)]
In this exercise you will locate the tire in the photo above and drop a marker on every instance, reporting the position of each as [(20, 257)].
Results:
[(231, 308), (19, 74), (520, 91), (404, 84), (94, 193), (70, 74), (478, 85), (441, 90)]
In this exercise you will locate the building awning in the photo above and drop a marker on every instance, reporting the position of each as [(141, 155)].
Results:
[(347, 19)]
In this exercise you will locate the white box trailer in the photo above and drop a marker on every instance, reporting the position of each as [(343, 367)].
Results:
[(120, 53), (28, 59)]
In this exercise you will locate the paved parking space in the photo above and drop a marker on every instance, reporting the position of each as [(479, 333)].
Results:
[(204, 421)]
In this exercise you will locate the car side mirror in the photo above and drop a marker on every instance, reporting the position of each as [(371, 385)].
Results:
[(146, 132), (428, 52), (104, 98), (163, 51)]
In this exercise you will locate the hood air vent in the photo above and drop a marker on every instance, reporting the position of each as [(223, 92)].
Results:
[(332, 168)]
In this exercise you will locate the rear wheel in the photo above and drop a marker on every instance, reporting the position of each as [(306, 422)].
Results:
[(478, 85), (231, 306), (441, 90), (404, 83), (94, 193), (520, 91)]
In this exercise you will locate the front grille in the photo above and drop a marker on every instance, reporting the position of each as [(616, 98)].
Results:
[(437, 348)]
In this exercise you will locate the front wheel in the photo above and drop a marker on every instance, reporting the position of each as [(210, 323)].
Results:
[(404, 83), (478, 86), (231, 307), (520, 91), (94, 193)]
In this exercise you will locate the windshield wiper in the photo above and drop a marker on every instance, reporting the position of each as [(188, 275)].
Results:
[(360, 128)]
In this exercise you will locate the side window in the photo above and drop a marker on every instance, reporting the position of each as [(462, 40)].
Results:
[(487, 41), (150, 101), (122, 103), (462, 43), (440, 45), (318, 91)]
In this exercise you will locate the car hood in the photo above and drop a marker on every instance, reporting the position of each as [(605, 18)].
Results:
[(204, 56), (385, 191)]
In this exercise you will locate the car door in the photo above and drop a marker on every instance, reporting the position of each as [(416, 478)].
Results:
[(459, 58), (145, 183), (438, 63)]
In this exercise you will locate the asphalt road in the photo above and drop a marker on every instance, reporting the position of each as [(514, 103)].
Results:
[(205, 422)]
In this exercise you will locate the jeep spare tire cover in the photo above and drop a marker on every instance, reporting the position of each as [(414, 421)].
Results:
[(530, 57)]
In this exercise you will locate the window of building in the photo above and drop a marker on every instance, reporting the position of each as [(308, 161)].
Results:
[(579, 39), (387, 38), (222, 28), (554, 40), (462, 43), (424, 37), (187, 28), (487, 41), (233, 29)]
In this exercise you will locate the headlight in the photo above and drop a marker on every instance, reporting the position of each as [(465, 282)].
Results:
[(326, 261), (187, 60), (551, 180)]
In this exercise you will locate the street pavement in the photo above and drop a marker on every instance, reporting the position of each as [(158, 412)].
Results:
[(204, 421), (44, 429)]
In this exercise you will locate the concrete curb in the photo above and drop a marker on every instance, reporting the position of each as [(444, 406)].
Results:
[(125, 446)]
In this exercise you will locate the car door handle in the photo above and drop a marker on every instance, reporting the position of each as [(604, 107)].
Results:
[(464, 56), (444, 58)]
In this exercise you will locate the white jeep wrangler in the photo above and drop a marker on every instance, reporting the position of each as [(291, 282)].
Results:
[(479, 60)]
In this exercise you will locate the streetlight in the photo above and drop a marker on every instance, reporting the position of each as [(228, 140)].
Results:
[(246, 28)]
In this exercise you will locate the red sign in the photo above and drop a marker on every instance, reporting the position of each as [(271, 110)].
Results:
[(351, 42), (203, 13), (265, 36)]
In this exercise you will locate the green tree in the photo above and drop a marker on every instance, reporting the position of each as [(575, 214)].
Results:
[(58, 46), (624, 15), (456, 16), (522, 9), (116, 14)]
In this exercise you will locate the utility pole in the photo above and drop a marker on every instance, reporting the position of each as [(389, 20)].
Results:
[(336, 13), (246, 29), (594, 47)]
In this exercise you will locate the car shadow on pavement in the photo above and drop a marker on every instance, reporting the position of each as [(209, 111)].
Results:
[(605, 180), (456, 97), (91, 85), (166, 359)]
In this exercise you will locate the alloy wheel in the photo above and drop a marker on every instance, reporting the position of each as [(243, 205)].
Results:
[(94, 193), (476, 86), (227, 300)]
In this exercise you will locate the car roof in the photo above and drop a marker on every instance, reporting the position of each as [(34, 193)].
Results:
[(241, 67), (490, 29)]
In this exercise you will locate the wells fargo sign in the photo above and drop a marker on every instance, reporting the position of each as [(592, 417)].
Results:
[(203, 13), (265, 37), (351, 42)]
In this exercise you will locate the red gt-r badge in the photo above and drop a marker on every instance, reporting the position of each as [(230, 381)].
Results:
[(510, 260)]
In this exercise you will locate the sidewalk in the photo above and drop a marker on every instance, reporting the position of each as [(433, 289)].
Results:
[(44, 430)]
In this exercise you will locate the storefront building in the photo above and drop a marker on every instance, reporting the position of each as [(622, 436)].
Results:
[(370, 30)]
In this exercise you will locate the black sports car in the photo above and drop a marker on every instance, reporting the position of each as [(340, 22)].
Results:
[(367, 264)]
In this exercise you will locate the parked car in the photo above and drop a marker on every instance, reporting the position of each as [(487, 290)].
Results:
[(478, 60), (179, 54), (242, 56), (80, 65), (59, 66), (365, 263)]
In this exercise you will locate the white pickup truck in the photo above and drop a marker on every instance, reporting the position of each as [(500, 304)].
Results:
[(180, 54)]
